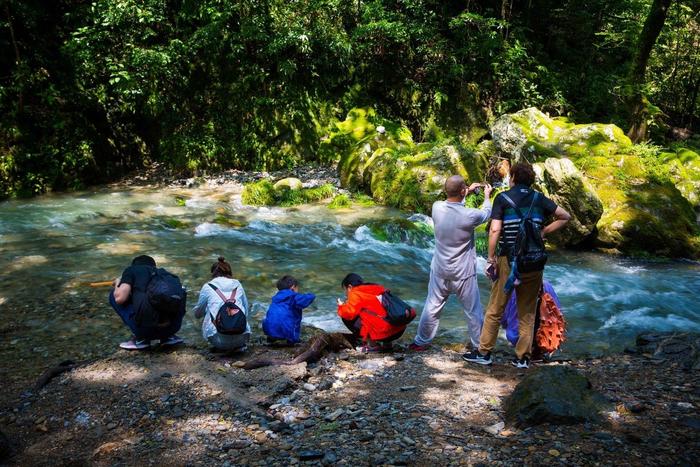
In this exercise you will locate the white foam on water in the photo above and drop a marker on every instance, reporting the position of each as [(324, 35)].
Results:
[(209, 229), (640, 318), (198, 203)]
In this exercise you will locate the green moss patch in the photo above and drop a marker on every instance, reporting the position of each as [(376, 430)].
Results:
[(173, 223), (400, 230), (263, 193)]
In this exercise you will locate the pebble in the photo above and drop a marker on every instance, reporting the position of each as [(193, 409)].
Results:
[(309, 387), (309, 455), (553, 453)]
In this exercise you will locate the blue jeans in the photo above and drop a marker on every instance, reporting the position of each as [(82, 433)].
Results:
[(127, 314)]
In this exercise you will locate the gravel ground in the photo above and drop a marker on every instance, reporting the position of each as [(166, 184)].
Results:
[(189, 407)]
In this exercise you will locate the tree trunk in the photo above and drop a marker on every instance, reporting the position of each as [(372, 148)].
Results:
[(637, 104), (20, 98)]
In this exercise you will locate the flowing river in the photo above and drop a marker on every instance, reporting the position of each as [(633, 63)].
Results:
[(51, 247)]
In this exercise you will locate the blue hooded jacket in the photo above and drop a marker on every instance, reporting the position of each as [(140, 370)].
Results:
[(283, 318)]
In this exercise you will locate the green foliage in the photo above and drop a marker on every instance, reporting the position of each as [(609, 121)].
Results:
[(263, 193), (94, 90), (260, 193), (340, 201)]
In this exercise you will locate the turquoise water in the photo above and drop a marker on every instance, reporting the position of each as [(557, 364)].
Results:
[(51, 246)]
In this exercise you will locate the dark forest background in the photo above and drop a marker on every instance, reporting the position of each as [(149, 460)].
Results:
[(92, 90)]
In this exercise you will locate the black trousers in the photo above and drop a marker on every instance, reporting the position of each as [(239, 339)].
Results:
[(355, 325)]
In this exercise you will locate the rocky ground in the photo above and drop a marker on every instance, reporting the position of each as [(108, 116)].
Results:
[(187, 406), (158, 175)]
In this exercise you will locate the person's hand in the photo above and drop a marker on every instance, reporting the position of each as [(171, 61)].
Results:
[(473, 187), (340, 302), (491, 260), (116, 282), (488, 189)]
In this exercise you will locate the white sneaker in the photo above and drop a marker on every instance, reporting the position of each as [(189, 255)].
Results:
[(133, 344)]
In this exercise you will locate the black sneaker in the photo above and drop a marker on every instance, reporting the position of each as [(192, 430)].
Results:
[(520, 362), (475, 357)]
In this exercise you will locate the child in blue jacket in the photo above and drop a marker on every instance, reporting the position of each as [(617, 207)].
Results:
[(283, 318)]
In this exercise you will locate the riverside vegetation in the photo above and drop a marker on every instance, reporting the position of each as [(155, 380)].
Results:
[(94, 91)]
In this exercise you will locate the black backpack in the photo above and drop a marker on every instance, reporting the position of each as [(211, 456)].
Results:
[(230, 319), (528, 249), (398, 312), (164, 298)]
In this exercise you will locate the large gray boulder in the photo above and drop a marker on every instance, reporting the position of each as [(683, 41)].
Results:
[(561, 181), (553, 394)]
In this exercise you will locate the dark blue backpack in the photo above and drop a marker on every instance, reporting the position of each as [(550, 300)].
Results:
[(398, 312), (164, 299), (230, 319)]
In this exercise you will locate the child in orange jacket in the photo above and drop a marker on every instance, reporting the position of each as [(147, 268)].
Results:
[(364, 315)]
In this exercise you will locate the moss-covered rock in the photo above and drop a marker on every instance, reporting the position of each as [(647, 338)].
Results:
[(416, 231), (289, 183), (683, 168), (223, 219), (173, 223), (561, 181), (646, 196), (533, 135), (355, 139), (648, 218)]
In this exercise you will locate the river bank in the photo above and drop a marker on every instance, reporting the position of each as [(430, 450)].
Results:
[(187, 406)]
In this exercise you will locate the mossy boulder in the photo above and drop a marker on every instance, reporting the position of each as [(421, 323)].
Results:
[(412, 179), (356, 138), (554, 394), (647, 196), (683, 168), (289, 183), (415, 231), (648, 218), (561, 181), (533, 135)]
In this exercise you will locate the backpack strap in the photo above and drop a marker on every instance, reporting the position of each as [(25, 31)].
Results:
[(517, 209), (218, 292)]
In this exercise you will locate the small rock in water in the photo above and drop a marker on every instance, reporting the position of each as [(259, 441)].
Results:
[(165, 374), (407, 388), (309, 455), (553, 453), (685, 405), (309, 387)]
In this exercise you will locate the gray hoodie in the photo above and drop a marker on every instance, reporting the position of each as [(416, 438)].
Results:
[(455, 256)]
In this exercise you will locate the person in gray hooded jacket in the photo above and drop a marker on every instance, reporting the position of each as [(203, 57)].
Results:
[(453, 268)]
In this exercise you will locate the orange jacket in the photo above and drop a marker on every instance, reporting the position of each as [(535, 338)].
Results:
[(363, 301)]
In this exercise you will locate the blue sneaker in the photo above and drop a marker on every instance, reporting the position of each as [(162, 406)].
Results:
[(172, 340), (475, 357)]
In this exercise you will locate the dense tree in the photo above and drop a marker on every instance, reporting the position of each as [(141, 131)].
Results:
[(92, 90)]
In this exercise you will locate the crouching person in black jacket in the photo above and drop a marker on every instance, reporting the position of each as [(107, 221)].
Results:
[(151, 302)]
